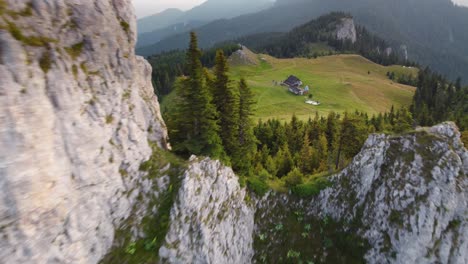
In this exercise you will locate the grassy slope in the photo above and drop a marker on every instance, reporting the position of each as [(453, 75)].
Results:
[(339, 82)]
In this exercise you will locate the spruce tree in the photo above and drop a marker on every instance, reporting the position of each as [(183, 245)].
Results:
[(246, 137), (195, 118), (226, 100)]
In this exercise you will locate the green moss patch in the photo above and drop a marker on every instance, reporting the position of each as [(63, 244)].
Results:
[(34, 41), (75, 50), (45, 62), (125, 26)]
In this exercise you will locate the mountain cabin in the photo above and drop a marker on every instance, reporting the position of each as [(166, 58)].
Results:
[(294, 85)]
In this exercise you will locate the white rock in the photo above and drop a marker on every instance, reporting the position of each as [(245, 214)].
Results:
[(210, 221), (65, 134)]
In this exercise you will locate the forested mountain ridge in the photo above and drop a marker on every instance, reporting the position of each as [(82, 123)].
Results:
[(433, 32), (333, 33)]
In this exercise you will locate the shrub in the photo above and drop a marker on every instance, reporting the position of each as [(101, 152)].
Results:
[(312, 188), (257, 186), (264, 175), (294, 178)]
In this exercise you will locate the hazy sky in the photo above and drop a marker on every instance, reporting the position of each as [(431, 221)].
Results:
[(149, 7)]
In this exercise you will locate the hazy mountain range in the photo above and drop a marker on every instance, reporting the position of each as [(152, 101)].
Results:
[(433, 31), (173, 21)]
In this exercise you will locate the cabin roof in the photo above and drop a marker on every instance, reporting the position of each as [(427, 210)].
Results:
[(292, 80)]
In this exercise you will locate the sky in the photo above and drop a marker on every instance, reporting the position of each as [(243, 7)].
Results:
[(149, 7)]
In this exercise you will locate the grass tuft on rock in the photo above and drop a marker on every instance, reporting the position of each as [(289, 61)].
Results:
[(75, 50), (125, 26), (34, 41)]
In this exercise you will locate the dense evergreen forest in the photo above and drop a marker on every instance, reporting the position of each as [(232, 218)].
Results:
[(437, 100), (168, 66)]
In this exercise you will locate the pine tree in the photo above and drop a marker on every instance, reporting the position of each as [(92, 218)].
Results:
[(284, 161), (332, 129), (403, 122), (322, 150), (194, 122), (226, 99), (246, 137)]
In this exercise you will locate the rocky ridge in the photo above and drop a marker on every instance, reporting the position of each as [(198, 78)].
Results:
[(410, 194)]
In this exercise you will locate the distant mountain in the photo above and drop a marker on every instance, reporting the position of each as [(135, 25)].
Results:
[(329, 34), (434, 32), (149, 38), (207, 12), (159, 21)]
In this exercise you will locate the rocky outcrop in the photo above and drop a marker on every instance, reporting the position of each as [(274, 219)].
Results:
[(243, 56), (77, 110), (347, 30), (210, 221), (409, 193)]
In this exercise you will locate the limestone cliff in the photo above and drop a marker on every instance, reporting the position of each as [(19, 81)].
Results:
[(77, 110), (410, 195), (403, 199), (346, 30), (210, 221)]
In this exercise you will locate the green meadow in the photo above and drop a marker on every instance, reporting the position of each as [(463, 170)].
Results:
[(339, 82)]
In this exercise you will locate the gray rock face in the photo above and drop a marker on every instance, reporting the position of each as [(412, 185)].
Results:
[(77, 109), (210, 221), (347, 30), (410, 192)]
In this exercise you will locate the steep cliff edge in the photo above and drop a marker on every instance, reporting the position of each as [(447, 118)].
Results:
[(77, 110), (403, 199), (409, 194)]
